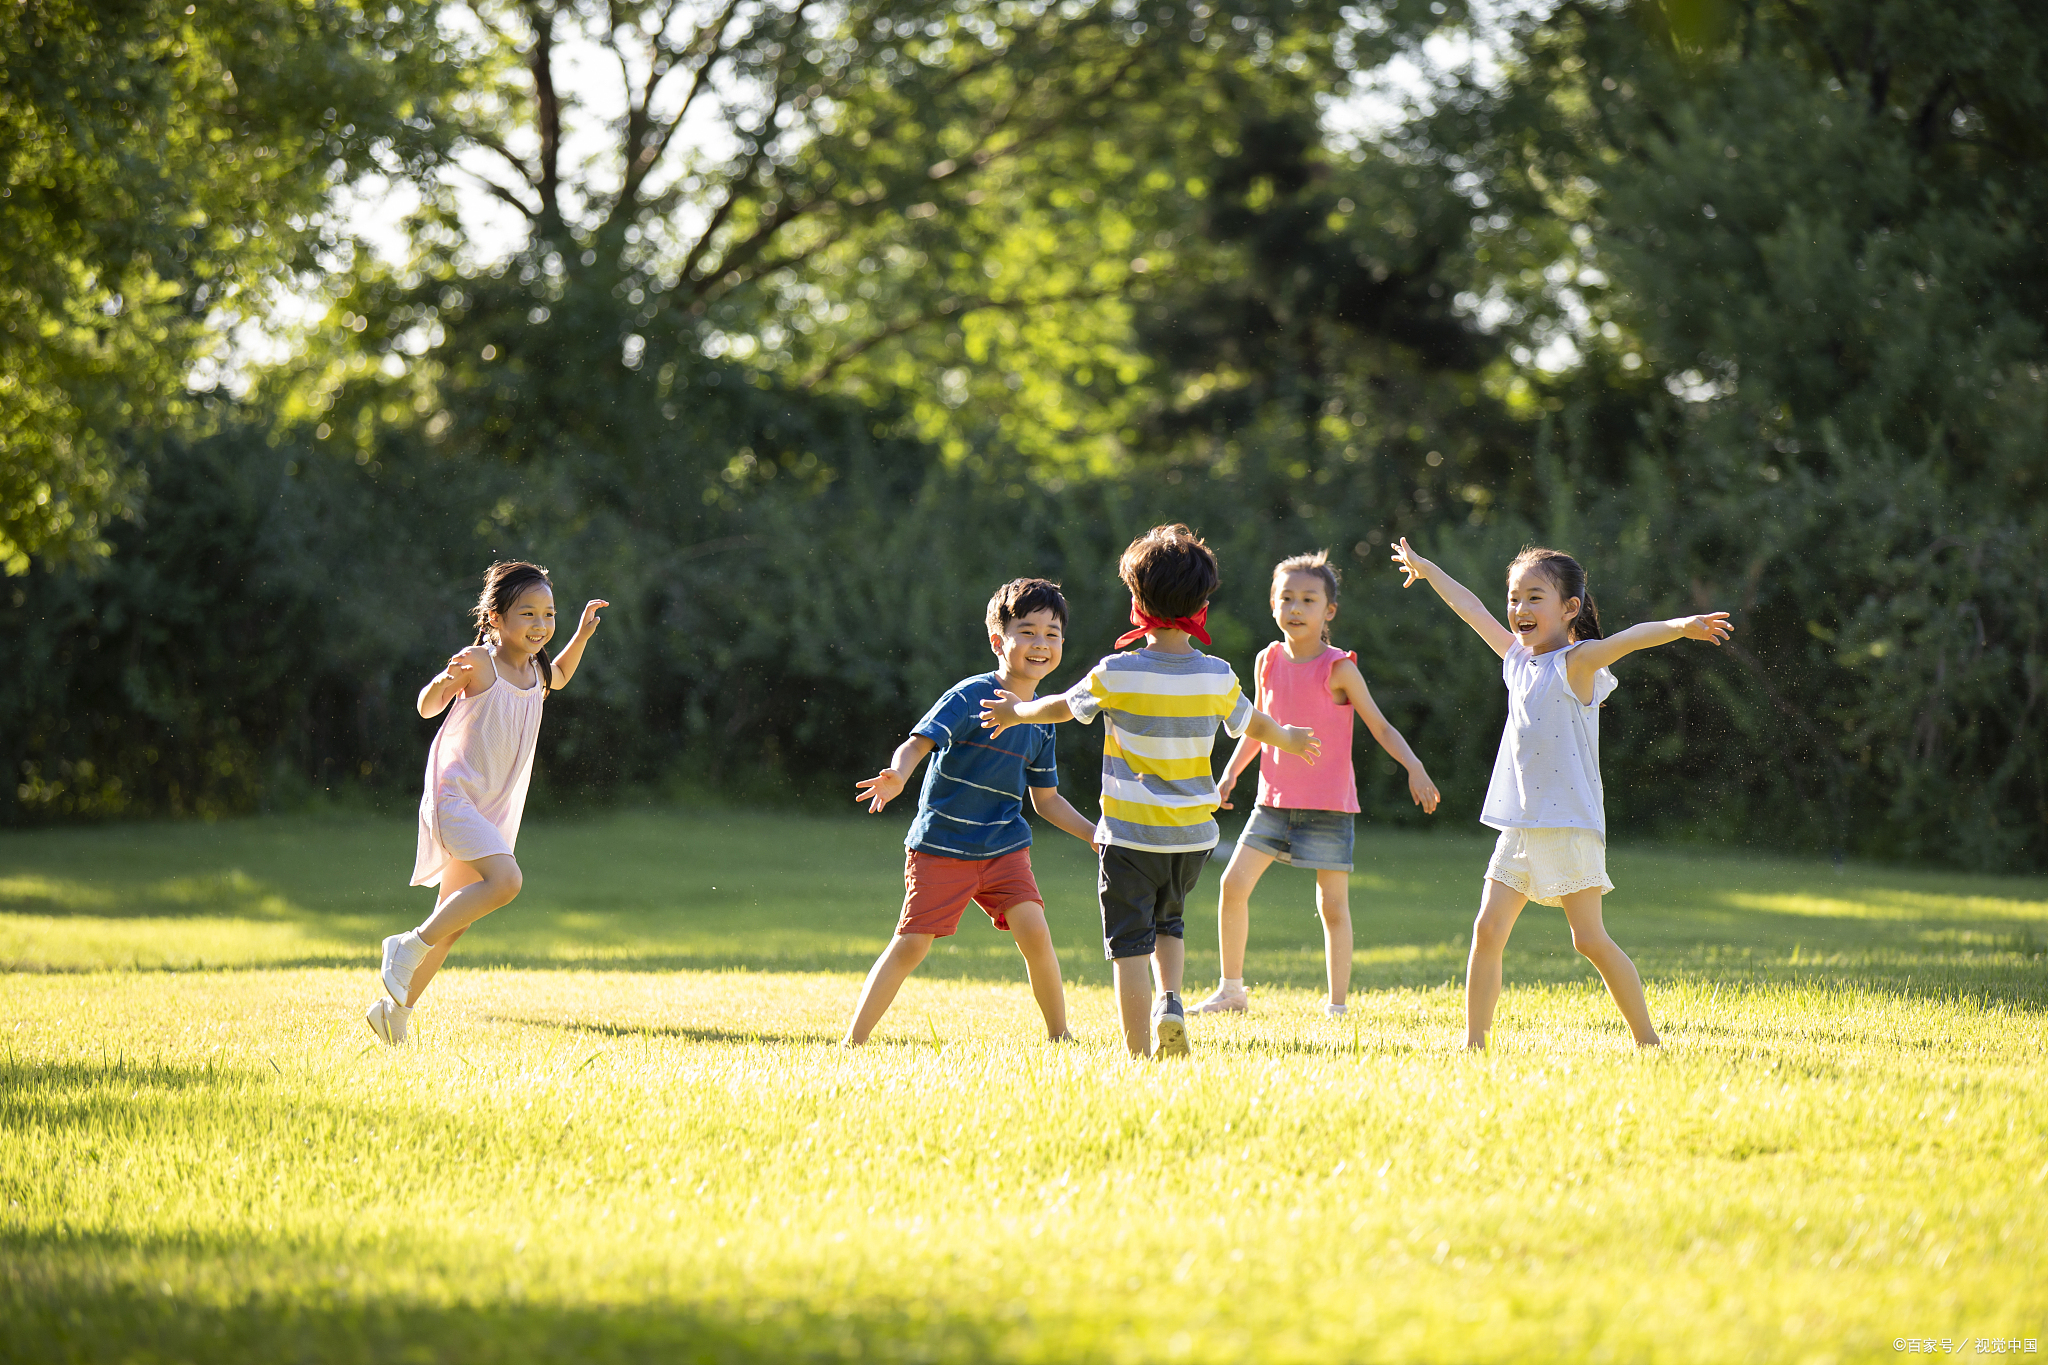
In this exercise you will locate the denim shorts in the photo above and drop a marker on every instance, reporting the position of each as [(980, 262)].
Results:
[(1320, 839)]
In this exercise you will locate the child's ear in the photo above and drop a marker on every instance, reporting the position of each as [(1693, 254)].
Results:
[(995, 643)]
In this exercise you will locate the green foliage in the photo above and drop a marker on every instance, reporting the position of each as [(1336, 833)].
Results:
[(1818, 227), (160, 165), (1742, 305)]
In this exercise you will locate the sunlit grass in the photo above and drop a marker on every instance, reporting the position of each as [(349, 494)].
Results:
[(623, 1133)]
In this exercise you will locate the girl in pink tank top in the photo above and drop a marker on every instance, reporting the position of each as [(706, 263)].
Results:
[(477, 773), (1304, 815)]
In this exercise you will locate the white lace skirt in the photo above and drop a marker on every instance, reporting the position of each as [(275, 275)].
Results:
[(1546, 865)]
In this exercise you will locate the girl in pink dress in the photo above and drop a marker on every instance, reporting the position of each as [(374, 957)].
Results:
[(477, 773), (1305, 812)]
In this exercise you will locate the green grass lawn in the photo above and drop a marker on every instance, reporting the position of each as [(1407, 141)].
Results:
[(622, 1132)]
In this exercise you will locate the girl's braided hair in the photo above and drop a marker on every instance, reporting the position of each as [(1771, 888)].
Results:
[(503, 583)]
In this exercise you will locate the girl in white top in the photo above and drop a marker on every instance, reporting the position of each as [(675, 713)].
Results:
[(1545, 797), (477, 774)]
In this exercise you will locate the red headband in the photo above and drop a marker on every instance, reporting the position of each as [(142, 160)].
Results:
[(1146, 623)]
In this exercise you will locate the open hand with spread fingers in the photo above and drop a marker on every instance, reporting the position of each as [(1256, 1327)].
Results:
[(1409, 562), (879, 790), (1302, 742), (1713, 627), (999, 712)]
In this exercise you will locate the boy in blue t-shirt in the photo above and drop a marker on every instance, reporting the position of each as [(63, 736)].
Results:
[(970, 840)]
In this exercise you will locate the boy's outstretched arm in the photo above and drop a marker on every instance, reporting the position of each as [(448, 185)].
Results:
[(1456, 595), (1298, 740), (1351, 682), (571, 656), (1589, 658), (1004, 710), (1059, 811), (886, 785)]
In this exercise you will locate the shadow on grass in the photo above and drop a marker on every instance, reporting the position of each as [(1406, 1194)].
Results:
[(48, 1315)]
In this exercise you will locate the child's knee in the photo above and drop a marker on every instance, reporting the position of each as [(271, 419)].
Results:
[(1490, 933), (506, 882), (1026, 922), (1593, 944), (911, 948)]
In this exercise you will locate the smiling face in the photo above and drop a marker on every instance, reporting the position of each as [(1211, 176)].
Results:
[(1539, 618), (1302, 606), (1029, 647), (529, 623)]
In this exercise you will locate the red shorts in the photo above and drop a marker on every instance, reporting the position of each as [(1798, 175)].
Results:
[(936, 890)]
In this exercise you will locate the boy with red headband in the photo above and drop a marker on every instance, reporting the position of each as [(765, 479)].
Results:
[(1163, 704)]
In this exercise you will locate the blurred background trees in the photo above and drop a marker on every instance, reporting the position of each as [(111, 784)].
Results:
[(812, 325)]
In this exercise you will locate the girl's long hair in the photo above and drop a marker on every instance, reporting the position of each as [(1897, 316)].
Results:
[(503, 582), (1318, 564), (1568, 576)]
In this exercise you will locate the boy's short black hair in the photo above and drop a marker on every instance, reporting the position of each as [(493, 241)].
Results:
[(1021, 597), (1170, 571)]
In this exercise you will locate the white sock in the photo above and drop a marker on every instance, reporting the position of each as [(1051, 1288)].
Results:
[(411, 948), (400, 1011), (1233, 984)]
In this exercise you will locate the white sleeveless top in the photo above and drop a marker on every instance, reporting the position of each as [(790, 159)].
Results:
[(1547, 774), (478, 769)]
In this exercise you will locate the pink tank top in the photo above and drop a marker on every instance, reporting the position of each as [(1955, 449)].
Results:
[(1299, 694)]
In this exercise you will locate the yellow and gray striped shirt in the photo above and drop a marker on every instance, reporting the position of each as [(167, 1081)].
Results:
[(1158, 781)]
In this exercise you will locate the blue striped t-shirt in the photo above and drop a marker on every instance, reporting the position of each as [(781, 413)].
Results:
[(972, 805)]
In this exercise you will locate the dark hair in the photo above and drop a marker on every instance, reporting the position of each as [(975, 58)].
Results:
[(1318, 564), (503, 583), (1170, 571), (1021, 597), (1569, 578)]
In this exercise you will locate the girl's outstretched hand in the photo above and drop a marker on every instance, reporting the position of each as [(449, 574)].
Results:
[(1713, 627), (590, 615), (1411, 563), (879, 790), (1423, 791)]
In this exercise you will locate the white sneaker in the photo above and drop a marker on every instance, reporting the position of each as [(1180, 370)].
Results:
[(1224, 1001), (400, 960), (389, 1022), (1334, 1011)]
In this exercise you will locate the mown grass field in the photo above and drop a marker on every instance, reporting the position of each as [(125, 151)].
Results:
[(622, 1132)]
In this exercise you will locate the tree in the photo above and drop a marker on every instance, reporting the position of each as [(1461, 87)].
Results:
[(160, 165), (1810, 290)]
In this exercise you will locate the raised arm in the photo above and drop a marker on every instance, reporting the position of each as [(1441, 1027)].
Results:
[(1589, 658), (1456, 595), (464, 676), (1346, 678), (886, 785), (572, 653)]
